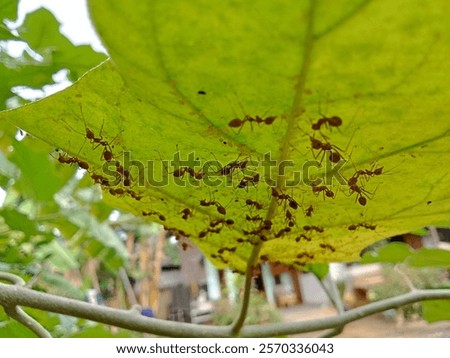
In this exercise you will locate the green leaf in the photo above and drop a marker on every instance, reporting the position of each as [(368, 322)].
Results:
[(7, 168), (41, 31), (5, 34), (13, 329), (320, 270), (420, 232), (19, 222), (430, 257), (397, 252), (201, 82), (8, 9), (393, 253), (105, 241), (436, 310), (57, 284), (40, 179), (61, 257)]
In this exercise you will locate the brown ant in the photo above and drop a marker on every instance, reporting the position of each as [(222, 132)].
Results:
[(177, 232), (324, 147), (334, 121), (66, 159), (282, 232), (220, 208), (138, 197), (230, 167), (327, 192), (361, 193), (309, 211), (281, 196), (205, 232), (159, 215), (229, 249), (328, 246), (354, 227), (121, 170), (99, 179), (186, 213), (256, 231), (247, 180), (254, 203), (220, 257), (290, 218), (267, 224), (179, 173), (107, 153), (367, 173), (312, 228), (253, 218), (305, 254), (216, 222), (239, 123), (302, 236), (117, 191)]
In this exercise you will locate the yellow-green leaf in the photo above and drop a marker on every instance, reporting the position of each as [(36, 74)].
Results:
[(182, 71)]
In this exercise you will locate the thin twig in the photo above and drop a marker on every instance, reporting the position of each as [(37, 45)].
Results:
[(15, 312), (335, 297), (20, 316)]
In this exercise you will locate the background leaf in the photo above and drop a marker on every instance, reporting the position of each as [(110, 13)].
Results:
[(8, 9), (393, 253), (41, 31), (430, 257), (437, 310)]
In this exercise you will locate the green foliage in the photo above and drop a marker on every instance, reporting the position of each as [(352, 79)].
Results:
[(41, 32), (391, 253), (8, 9), (50, 53), (438, 310), (397, 252), (45, 228)]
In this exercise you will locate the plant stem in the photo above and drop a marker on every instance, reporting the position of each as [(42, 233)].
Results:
[(284, 150), (239, 321)]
